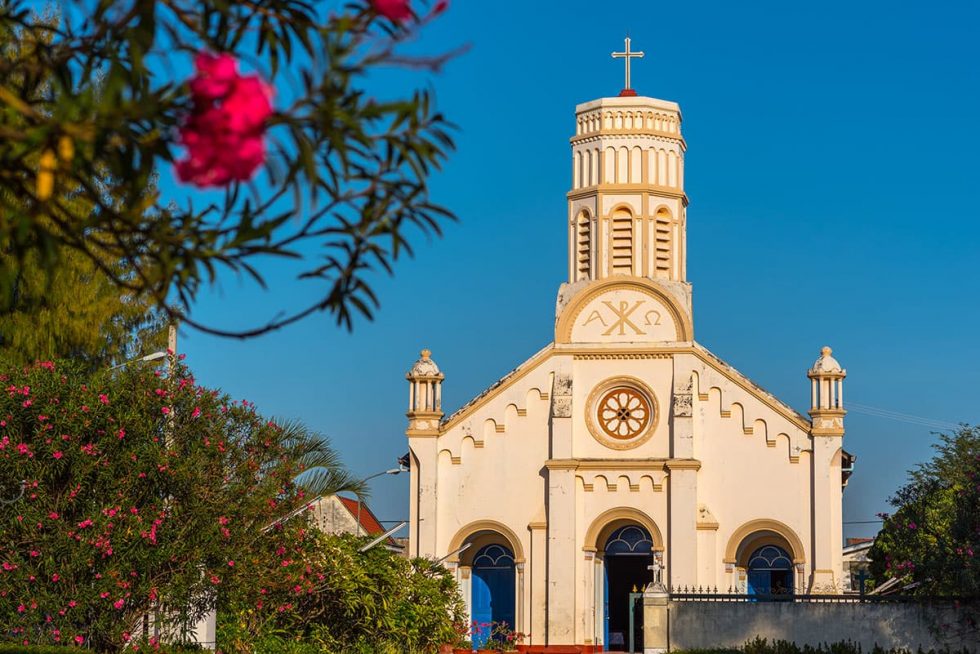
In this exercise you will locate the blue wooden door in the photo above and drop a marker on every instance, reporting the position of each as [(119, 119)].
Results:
[(759, 582), (492, 597)]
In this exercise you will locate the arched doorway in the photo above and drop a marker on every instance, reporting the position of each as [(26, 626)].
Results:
[(778, 570), (627, 557), (492, 594), (770, 571)]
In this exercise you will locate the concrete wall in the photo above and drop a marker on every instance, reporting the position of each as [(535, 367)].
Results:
[(721, 624)]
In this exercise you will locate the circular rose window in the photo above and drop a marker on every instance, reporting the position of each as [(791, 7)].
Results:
[(622, 413)]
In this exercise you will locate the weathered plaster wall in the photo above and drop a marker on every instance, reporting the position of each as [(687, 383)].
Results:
[(729, 624)]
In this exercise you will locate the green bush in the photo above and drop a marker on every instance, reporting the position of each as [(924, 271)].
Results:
[(320, 594)]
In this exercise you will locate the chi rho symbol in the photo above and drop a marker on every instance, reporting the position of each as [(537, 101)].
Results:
[(622, 317)]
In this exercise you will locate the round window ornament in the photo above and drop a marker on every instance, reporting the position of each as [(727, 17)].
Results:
[(622, 413)]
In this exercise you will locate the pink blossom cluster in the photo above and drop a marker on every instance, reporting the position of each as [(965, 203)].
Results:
[(400, 11), (225, 131)]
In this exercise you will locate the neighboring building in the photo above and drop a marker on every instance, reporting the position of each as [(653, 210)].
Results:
[(342, 515), (856, 561), (624, 442)]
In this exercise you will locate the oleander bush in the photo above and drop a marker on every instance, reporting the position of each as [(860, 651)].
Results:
[(321, 594), (129, 494)]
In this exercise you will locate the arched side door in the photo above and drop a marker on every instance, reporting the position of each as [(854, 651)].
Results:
[(492, 599), (770, 572)]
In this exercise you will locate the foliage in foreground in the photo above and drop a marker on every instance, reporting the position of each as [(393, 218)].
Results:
[(320, 594), (932, 541), (143, 494), (97, 103), (764, 646)]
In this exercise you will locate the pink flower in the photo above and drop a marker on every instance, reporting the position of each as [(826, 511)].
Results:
[(231, 564), (396, 10), (84, 523), (225, 132), (57, 455), (53, 516), (72, 604), (21, 608), (79, 639), (103, 398), (196, 412), (35, 553), (55, 577), (119, 603), (164, 410)]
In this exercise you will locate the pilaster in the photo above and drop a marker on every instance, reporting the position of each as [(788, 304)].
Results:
[(561, 517)]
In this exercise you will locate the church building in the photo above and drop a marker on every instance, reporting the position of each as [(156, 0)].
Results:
[(624, 448)]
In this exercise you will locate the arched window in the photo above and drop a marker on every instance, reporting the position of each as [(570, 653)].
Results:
[(630, 539), (622, 243), (770, 571), (584, 246)]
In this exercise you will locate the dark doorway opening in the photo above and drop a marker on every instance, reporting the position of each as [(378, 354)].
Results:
[(627, 558)]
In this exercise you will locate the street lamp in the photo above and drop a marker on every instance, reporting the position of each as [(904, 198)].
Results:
[(394, 471), (155, 356)]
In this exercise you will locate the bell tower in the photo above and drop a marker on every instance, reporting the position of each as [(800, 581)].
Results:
[(627, 206)]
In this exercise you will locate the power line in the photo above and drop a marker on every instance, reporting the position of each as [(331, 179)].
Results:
[(897, 416)]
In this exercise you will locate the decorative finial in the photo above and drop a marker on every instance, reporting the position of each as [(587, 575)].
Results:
[(826, 351), (426, 354), (627, 54)]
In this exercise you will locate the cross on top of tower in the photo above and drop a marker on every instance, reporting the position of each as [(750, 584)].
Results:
[(627, 54)]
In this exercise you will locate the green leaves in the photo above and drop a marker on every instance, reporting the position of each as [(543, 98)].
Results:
[(329, 597), (933, 538), (345, 182), (141, 489)]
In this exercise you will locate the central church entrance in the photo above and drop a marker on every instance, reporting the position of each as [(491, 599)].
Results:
[(627, 556)]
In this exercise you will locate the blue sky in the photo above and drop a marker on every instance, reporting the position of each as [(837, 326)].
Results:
[(831, 169)]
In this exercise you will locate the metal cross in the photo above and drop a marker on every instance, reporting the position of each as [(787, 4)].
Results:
[(627, 55)]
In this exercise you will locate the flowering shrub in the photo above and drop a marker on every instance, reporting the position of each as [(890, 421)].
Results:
[(320, 590), (933, 538), (143, 496)]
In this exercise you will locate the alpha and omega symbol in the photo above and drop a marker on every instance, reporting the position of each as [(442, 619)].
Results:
[(623, 317)]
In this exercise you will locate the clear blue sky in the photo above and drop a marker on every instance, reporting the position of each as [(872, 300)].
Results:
[(832, 171)]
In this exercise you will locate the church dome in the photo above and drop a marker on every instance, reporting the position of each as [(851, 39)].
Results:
[(425, 366), (826, 363)]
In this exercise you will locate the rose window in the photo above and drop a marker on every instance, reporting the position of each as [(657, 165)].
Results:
[(623, 413)]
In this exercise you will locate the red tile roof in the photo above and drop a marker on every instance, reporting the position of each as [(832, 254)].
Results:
[(369, 523)]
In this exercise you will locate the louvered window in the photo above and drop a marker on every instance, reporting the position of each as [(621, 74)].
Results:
[(584, 246), (622, 244)]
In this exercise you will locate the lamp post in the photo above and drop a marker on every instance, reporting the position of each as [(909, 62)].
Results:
[(393, 471), (155, 356)]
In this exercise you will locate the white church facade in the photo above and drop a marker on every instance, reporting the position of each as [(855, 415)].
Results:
[(624, 445)]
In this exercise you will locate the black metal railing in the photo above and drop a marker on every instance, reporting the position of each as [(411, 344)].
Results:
[(703, 594)]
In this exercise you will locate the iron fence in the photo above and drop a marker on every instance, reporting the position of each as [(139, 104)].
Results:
[(703, 594)]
